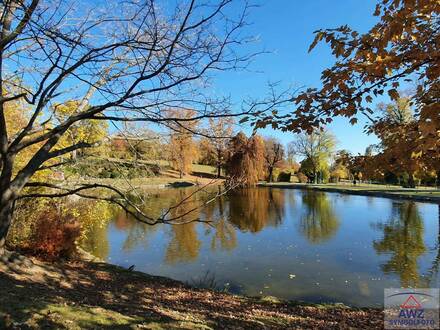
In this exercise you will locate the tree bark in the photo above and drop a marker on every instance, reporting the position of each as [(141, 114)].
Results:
[(411, 182), (270, 174), (6, 212), (219, 163)]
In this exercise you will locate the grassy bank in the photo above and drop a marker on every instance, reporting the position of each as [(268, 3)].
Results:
[(423, 194), (93, 295), (200, 175)]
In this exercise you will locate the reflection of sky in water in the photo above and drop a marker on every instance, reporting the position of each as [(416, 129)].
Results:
[(293, 244)]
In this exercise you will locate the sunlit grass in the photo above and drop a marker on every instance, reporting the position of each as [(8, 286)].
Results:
[(367, 188)]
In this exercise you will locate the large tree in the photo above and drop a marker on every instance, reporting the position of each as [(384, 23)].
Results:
[(118, 61), (398, 132), (401, 49), (316, 149), (245, 163)]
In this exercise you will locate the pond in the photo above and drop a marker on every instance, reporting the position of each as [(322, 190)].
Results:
[(293, 244)]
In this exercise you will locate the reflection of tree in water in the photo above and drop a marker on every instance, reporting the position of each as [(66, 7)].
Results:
[(432, 275), (184, 244), (253, 209), (319, 222), (96, 241), (403, 238), (224, 237), (137, 232)]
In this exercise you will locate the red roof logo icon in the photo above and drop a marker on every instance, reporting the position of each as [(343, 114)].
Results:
[(411, 303)]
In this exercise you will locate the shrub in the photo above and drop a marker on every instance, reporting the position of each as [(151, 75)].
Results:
[(284, 176), (53, 229), (302, 177), (55, 236)]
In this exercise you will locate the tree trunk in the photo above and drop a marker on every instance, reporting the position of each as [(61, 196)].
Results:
[(270, 174), (6, 212), (438, 178), (7, 200), (219, 163), (411, 182)]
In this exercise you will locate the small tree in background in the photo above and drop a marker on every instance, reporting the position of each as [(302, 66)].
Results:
[(214, 147), (316, 148), (339, 168), (273, 155), (182, 149)]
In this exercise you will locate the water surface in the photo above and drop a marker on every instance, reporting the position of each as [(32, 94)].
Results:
[(294, 244)]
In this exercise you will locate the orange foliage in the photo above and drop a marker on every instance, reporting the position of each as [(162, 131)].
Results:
[(401, 47), (246, 160), (182, 147), (54, 236)]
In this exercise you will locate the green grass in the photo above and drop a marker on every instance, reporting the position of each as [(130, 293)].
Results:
[(368, 189), (207, 169)]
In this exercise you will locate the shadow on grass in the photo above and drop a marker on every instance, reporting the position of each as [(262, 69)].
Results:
[(97, 295), (89, 295)]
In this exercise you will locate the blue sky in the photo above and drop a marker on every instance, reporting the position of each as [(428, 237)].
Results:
[(285, 28)]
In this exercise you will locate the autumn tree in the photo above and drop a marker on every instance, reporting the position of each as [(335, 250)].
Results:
[(339, 168), (400, 49), (182, 148), (118, 61), (398, 132), (246, 159), (273, 155), (316, 149), (90, 132), (213, 147), (133, 143)]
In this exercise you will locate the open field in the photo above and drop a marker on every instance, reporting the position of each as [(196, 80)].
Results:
[(91, 295), (428, 194)]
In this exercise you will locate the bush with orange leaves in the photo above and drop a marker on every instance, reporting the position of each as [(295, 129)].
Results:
[(53, 229), (55, 236)]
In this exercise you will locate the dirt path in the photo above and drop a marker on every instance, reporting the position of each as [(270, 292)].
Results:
[(91, 295)]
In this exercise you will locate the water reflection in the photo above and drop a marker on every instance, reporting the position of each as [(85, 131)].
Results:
[(137, 233), (184, 245), (96, 241), (290, 243), (253, 209), (224, 237), (319, 223), (403, 240)]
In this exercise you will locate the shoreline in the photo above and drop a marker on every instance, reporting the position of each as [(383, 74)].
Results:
[(94, 294), (419, 196)]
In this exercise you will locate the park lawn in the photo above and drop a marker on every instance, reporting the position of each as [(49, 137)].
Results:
[(95, 295), (421, 193), (200, 175)]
